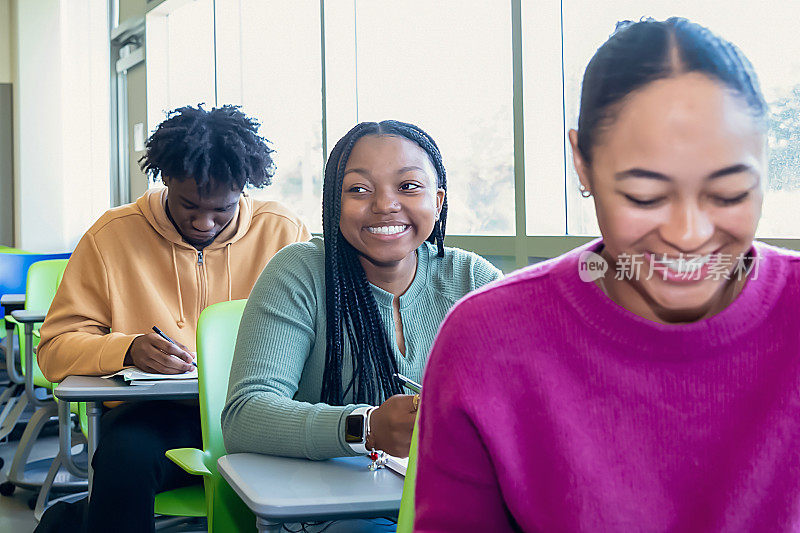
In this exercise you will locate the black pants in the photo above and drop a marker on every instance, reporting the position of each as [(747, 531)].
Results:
[(130, 466)]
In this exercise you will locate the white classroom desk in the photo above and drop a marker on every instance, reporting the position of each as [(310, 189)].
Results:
[(284, 490), (96, 390)]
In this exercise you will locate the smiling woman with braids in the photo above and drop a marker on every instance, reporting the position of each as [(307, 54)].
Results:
[(329, 322)]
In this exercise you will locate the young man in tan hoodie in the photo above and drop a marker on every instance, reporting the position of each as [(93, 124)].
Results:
[(160, 261)]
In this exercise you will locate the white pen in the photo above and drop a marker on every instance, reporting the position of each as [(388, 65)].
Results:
[(408, 383)]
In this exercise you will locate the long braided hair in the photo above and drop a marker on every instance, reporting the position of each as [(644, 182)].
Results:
[(351, 309)]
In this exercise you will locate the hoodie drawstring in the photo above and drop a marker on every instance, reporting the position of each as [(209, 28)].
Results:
[(230, 278), (182, 319)]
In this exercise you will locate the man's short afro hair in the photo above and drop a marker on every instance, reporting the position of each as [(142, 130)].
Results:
[(214, 148)]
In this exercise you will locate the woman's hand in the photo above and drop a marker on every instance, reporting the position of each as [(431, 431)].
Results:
[(391, 425)]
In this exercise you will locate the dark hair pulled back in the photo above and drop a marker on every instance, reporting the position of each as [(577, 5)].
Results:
[(638, 53)]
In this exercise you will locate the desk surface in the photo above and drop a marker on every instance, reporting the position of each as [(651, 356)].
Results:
[(12, 299), (93, 388), (287, 489)]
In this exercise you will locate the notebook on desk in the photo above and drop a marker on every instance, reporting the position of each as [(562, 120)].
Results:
[(399, 465), (135, 376)]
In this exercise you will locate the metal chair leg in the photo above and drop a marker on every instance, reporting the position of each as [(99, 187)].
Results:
[(7, 399), (63, 459), (268, 526), (16, 407), (44, 493), (28, 439), (65, 441)]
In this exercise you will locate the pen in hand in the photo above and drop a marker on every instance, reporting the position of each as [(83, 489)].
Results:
[(408, 383), (164, 336)]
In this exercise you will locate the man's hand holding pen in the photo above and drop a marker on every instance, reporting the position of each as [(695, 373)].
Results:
[(152, 353)]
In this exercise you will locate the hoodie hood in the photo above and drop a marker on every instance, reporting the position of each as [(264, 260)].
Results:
[(153, 205)]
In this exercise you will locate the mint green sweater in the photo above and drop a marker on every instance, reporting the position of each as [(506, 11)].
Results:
[(276, 377)]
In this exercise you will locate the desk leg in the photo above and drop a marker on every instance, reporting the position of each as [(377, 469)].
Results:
[(8, 342), (268, 526), (11, 361), (65, 440), (93, 412)]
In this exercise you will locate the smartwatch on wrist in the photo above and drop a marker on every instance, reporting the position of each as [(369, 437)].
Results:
[(355, 429)]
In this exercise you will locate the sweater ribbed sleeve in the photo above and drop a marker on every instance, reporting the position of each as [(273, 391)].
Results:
[(276, 336), (275, 384)]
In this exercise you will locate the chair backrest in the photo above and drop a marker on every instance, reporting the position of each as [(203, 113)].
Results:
[(43, 279), (216, 340), (405, 520)]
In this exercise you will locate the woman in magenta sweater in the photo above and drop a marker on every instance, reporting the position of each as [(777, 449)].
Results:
[(659, 394)]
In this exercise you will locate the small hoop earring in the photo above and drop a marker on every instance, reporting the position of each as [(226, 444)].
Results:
[(586, 193)]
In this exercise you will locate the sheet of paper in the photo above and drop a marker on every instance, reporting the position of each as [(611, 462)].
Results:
[(134, 374), (149, 382), (397, 464)]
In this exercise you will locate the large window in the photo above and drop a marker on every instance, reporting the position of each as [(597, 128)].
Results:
[(769, 40), (268, 61), (456, 85), (495, 82), (179, 57), (446, 66)]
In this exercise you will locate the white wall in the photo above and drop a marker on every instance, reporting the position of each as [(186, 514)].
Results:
[(62, 119), (5, 41), (86, 114)]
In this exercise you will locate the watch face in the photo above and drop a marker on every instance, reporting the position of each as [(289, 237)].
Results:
[(354, 428)]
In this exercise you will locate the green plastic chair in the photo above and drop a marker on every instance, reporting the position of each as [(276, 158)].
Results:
[(13, 281), (216, 339), (43, 280), (44, 277), (405, 520)]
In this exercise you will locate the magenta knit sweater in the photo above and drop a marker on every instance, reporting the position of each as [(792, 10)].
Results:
[(548, 407)]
